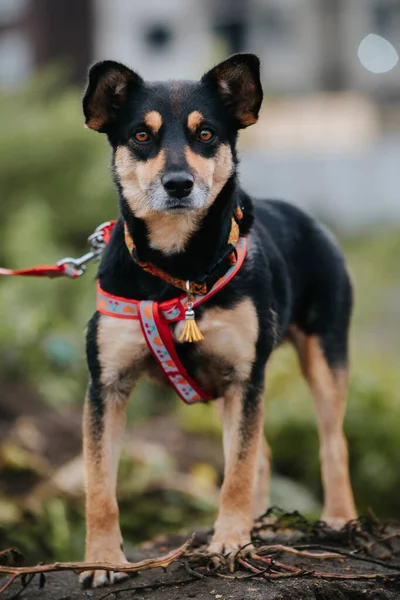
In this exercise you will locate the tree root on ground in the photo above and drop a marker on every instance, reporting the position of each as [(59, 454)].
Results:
[(349, 549)]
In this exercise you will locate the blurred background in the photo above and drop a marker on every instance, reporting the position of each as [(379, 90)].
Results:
[(328, 139)]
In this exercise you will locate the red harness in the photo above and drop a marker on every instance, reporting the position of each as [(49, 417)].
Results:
[(154, 317)]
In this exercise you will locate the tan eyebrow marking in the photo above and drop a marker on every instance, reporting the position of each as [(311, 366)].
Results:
[(194, 120), (153, 120)]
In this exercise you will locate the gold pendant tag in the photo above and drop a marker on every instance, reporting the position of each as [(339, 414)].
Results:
[(190, 332)]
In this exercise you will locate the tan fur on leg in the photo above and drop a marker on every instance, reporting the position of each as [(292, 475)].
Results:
[(329, 390), (263, 476), (261, 492), (103, 535), (234, 521), (122, 353)]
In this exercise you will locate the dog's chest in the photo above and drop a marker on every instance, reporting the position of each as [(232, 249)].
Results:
[(225, 355), (228, 349)]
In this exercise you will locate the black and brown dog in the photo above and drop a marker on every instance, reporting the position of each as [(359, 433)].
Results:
[(175, 166)]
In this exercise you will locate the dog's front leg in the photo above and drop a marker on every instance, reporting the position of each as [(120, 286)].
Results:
[(242, 415), (103, 428), (115, 349)]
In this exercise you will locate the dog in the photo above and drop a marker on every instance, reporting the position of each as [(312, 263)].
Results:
[(174, 163)]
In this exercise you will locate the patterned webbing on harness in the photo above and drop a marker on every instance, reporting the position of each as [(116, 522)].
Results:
[(154, 319)]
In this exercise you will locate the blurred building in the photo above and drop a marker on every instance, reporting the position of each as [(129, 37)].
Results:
[(305, 45), (329, 133), (34, 33)]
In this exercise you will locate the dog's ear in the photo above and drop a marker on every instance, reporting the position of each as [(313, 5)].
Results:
[(237, 80), (107, 89)]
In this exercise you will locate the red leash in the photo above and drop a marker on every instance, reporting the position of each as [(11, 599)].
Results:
[(71, 267), (154, 317), (51, 271)]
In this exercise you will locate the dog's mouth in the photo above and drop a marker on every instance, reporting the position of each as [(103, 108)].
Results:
[(179, 206), (180, 209)]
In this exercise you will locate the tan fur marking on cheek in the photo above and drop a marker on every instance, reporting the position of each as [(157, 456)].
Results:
[(135, 177), (148, 171), (202, 167), (125, 166), (153, 120), (194, 120), (223, 170), (215, 171)]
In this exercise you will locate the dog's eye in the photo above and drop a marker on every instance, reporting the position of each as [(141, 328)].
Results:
[(141, 137), (205, 135)]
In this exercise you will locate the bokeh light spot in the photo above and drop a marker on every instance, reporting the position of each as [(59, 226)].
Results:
[(377, 54)]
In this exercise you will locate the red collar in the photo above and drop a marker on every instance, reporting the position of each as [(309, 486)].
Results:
[(171, 310), (194, 287)]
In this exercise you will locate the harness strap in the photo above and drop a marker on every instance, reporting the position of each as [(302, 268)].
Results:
[(171, 310), (154, 320), (157, 334)]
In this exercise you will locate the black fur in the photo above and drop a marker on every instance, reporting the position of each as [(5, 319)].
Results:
[(294, 273), (95, 397)]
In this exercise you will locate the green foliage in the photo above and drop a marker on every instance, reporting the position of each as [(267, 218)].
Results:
[(56, 188)]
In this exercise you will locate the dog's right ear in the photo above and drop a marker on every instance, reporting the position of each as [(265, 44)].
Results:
[(108, 87)]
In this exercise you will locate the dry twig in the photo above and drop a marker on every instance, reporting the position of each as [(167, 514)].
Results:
[(148, 563), (260, 563)]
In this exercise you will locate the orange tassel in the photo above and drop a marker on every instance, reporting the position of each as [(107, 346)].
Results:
[(190, 332)]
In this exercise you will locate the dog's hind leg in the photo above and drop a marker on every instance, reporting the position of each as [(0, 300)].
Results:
[(328, 385), (112, 346)]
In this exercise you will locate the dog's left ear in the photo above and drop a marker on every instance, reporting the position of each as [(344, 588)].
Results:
[(237, 80)]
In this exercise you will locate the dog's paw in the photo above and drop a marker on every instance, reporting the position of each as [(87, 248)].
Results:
[(100, 578), (336, 523), (231, 546), (94, 579)]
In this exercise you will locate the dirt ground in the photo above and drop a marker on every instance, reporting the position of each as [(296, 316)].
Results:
[(374, 549)]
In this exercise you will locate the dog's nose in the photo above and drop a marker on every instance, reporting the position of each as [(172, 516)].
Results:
[(178, 184)]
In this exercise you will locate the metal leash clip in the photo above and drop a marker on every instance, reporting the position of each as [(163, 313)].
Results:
[(75, 267)]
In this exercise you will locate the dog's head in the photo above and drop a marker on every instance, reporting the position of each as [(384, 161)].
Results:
[(173, 142)]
